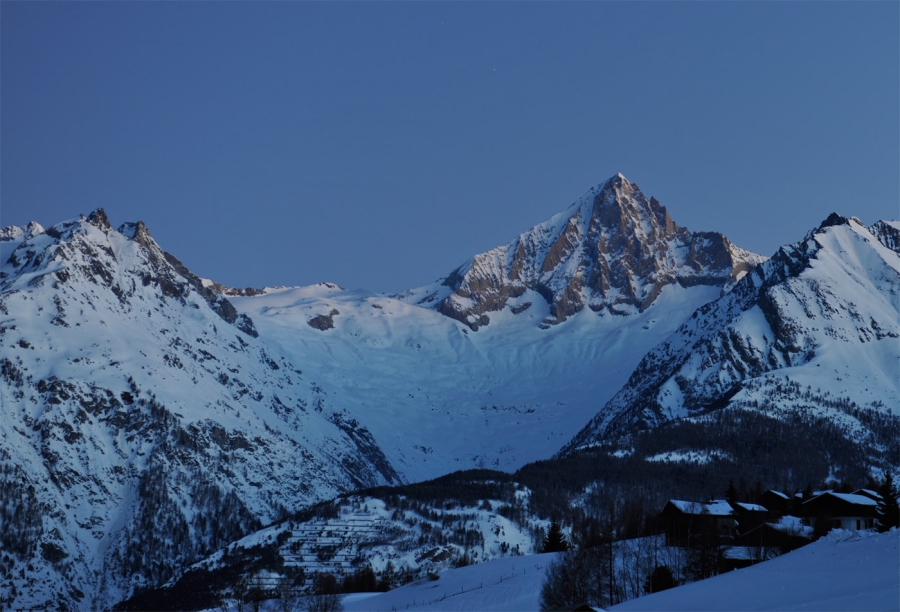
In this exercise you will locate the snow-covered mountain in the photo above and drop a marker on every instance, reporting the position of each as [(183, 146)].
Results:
[(438, 396), (612, 250), (143, 422), (150, 417), (820, 319)]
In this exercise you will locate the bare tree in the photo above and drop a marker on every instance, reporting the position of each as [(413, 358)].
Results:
[(325, 597), (238, 595), (287, 593), (256, 592), (566, 583)]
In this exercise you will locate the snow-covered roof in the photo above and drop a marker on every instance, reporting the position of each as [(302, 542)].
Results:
[(850, 498), (739, 553), (717, 507), (815, 494), (752, 507), (868, 493), (687, 507), (778, 493), (856, 499), (791, 525)]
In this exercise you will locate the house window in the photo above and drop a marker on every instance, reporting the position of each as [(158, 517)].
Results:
[(858, 524)]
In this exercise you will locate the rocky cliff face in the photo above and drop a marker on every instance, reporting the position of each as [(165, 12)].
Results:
[(888, 233), (820, 317), (613, 249)]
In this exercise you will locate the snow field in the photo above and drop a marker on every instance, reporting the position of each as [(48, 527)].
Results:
[(842, 571), (413, 376)]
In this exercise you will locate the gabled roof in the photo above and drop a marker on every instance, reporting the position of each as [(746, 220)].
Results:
[(778, 493), (850, 498)]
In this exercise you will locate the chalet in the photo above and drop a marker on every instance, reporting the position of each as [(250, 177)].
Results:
[(685, 521), (776, 502), (737, 557), (749, 516), (787, 534), (841, 510)]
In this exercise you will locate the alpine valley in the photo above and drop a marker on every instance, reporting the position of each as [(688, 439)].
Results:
[(153, 420)]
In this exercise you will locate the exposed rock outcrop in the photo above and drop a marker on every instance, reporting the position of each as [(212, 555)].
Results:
[(613, 249)]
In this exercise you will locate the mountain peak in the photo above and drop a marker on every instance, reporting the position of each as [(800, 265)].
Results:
[(805, 308), (137, 232), (834, 219), (15, 233), (615, 184), (613, 251), (98, 219)]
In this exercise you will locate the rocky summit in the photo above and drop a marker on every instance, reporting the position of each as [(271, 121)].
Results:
[(613, 249)]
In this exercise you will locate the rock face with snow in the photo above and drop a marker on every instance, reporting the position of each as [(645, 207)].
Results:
[(613, 249), (143, 423), (888, 233), (822, 313)]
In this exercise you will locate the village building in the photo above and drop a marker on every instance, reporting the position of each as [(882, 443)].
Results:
[(777, 503), (786, 534), (841, 510), (685, 521), (749, 516)]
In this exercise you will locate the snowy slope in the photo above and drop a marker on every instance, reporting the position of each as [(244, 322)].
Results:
[(842, 571), (438, 397), (822, 314), (504, 584)]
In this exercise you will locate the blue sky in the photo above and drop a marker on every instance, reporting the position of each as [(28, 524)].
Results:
[(380, 145)]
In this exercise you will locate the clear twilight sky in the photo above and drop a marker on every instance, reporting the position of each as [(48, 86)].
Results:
[(380, 145)]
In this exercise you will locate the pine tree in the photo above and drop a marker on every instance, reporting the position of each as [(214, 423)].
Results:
[(555, 540), (888, 508), (731, 494)]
